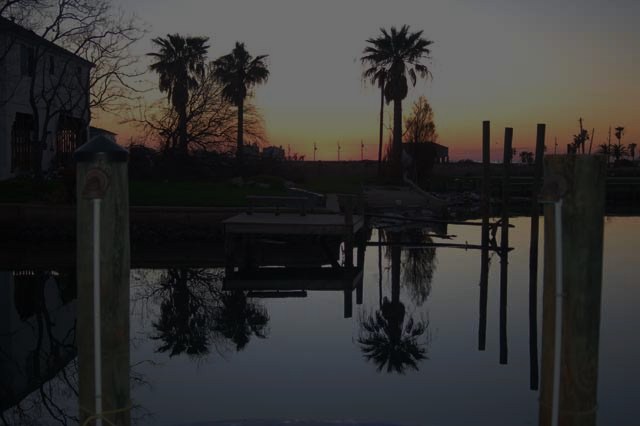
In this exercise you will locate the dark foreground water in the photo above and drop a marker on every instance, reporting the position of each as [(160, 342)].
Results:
[(201, 354)]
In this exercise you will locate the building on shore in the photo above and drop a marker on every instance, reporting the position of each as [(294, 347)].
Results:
[(44, 102)]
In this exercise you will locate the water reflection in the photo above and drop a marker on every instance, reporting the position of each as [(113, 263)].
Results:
[(237, 319), (37, 346), (418, 266), (196, 313), (185, 324), (389, 337)]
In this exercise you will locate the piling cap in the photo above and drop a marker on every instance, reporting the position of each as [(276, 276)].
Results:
[(101, 147)]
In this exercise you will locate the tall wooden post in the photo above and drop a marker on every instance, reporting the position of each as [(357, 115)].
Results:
[(361, 251), (504, 244), (580, 181), (348, 233), (102, 175), (533, 260), (484, 255)]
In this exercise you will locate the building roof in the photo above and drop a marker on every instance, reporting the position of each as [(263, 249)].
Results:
[(98, 130), (434, 144), (9, 26)]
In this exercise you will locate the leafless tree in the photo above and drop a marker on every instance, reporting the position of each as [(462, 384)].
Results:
[(211, 120)]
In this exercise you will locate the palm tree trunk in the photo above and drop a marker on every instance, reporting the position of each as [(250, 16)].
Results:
[(240, 148), (381, 128), (397, 138), (395, 274), (182, 130)]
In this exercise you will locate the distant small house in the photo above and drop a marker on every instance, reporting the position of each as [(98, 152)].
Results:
[(251, 152), (273, 153), (439, 153), (35, 71), (442, 152)]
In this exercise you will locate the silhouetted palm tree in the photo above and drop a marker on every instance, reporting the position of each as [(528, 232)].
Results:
[(619, 133), (239, 72), (399, 53), (605, 149), (237, 319), (618, 151), (180, 63)]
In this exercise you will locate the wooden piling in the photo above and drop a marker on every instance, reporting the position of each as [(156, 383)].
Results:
[(361, 251), (484, 256), (583, 181), (102, 174), (533, 259), (348, 232), (504, 243), (348, 300)]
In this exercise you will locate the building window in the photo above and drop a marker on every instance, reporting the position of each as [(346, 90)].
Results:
[(52, 65), (27, 61), (21, 145), (71, 133)]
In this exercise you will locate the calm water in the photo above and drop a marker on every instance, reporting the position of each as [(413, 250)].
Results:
[(200, 354)]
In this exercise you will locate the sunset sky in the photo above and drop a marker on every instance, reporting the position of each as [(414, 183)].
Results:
[(514, 62)]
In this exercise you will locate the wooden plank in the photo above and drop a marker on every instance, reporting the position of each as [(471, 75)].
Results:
[(312, 224), (288, 279)]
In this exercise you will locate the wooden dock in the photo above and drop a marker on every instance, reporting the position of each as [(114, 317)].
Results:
[(291, 224), (288, 279)]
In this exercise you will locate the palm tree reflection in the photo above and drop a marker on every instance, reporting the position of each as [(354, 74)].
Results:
[(196, 314), (389, 337), (237, 319)]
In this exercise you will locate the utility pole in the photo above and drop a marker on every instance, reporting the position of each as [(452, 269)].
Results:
[(338, 150), (315, 148), (555, 147), (361, 150), (609, 145)]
